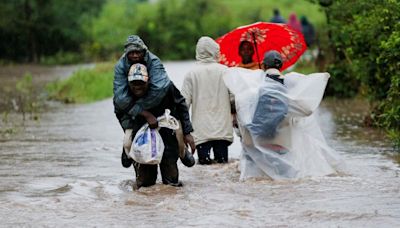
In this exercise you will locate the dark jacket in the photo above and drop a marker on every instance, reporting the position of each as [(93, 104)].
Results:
[(277, 19), (175, 102), (172, 100), (158, 86), (308, 31)]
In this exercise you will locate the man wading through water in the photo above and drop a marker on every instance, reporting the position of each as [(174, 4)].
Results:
[(205, 91), (146, 174), (125, 108)]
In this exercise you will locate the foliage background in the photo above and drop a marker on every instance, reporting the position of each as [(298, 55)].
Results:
[(364, 45), (358, 41)]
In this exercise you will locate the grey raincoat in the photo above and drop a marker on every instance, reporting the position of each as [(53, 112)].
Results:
[(124, 107)]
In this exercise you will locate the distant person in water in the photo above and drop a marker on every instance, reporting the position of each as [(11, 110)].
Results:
[(246, 52)]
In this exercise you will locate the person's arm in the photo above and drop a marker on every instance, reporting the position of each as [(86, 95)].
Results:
[(187, 90), (125, 121), (122, 98), (158, 87), (233, 109), (183, 115)]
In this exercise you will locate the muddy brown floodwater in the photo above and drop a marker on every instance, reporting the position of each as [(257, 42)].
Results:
[(64, 171)]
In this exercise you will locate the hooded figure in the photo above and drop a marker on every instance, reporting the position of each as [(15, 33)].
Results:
[(205, 91), (125, 108), (294, 23)]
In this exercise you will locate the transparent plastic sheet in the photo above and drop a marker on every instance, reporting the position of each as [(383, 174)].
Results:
[(298, 148), (271, 108)]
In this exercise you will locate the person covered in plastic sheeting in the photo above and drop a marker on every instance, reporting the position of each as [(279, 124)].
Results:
[(146, 174), (205, 92), (280, 136)]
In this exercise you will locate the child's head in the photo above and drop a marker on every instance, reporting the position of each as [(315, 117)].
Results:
[(272, 59), (138, 79)]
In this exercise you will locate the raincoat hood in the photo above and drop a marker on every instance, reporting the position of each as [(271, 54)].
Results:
[(207, 50), (134, 43)]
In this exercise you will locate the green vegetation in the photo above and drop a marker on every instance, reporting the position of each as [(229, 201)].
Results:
[(64, 32), (32, 29), (365, 43), (359, 40), (85, 85), (171, 27), (28, 100)]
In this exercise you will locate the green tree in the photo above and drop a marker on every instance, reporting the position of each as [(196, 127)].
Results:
[(31, 29), (117, 20), (365, 39), (175, 29)]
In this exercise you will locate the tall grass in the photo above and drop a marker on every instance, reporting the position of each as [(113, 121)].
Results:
[(85, 85)]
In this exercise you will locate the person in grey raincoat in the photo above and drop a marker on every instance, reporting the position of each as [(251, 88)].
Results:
[(204, 89)]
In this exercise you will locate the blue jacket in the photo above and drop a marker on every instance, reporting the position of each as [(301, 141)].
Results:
[(124, 106)]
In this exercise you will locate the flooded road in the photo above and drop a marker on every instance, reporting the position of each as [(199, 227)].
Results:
[(65, 171)]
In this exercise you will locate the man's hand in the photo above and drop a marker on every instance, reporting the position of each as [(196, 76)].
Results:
[(150, 118), (234, 121), (190, 141)]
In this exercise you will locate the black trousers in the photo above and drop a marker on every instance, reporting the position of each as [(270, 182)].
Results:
[(146, 175), (220, 149)]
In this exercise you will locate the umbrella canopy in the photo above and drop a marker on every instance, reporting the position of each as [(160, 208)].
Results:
[(265, 37)]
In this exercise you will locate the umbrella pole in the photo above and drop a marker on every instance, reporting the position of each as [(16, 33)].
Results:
[(255, 46)]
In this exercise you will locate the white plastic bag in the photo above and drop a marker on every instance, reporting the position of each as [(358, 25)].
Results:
[(148, 146)]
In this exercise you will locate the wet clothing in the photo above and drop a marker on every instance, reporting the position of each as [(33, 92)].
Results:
[(220, 149), (159, 83), (146, 175), (205, 91), (175, 102)]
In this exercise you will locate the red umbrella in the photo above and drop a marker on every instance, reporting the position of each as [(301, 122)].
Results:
[(265, 37)]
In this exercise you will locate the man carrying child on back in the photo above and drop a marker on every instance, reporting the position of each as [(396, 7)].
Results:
[(125, 107), (146, 175)]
